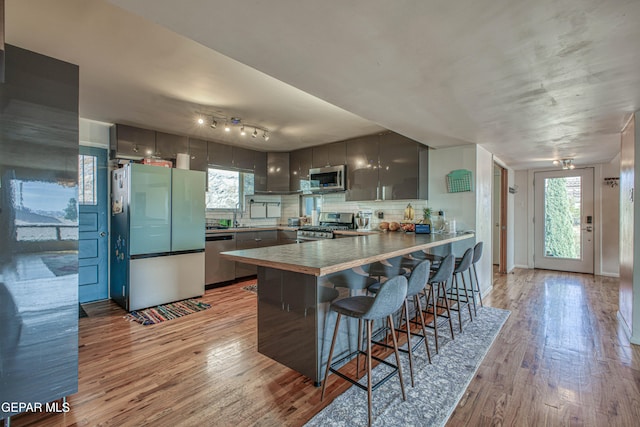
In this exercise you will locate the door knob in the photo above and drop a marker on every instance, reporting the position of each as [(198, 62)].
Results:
[(102, 234)]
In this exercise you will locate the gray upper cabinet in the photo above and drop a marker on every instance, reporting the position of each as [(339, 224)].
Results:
[(168, 146), (129, 142), (278, 172), (198, 154), (299, 164), (398, 171), (260, 171), (386, 167), (220, 154), (243, 158), (329, 154), (362, 169)]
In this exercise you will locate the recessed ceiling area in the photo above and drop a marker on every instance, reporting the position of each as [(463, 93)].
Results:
[(529, 81)]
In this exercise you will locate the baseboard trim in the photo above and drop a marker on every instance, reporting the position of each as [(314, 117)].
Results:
[(626, 329), (616, 275), (521, 266)]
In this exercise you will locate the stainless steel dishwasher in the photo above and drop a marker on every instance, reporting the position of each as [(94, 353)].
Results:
[(217, 269)]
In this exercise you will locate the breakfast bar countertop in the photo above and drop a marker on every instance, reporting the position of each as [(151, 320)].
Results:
[(322, 257)]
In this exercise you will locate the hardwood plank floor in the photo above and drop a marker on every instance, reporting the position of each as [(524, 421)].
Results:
[(561, 359)]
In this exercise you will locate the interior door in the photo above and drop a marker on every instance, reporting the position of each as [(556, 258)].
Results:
[(92, 239), (563, 220)]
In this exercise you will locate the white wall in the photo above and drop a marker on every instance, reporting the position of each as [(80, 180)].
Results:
[(461, 206), (93, 134), (495, 215), (520, 222), (484, 226), (610, 224)]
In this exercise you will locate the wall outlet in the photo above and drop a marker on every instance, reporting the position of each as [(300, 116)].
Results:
[(380, 215)]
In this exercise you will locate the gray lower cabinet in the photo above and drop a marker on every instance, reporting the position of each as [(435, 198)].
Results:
[(246, 240), (287, 236)]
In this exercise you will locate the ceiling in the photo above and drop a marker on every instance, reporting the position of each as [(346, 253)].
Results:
[(528, 81)]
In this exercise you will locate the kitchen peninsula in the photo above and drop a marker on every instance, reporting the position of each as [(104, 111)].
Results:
[(297, 282)]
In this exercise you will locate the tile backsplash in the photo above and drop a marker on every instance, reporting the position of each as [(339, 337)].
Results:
[(335, 202)]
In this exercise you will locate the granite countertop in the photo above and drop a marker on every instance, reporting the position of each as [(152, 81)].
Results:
[(322, 257)]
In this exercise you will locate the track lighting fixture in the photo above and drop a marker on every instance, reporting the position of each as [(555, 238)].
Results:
[(230, 123)]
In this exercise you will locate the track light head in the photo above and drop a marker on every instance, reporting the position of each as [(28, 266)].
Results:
[(242, 132), (266, 136), (200, 121), (214, 124), (255, 133)]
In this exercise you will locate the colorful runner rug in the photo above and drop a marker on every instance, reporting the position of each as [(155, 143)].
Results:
[(160, 313)]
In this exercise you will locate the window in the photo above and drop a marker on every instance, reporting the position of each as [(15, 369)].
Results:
[(226, 189), (87, 172), (309, 203)]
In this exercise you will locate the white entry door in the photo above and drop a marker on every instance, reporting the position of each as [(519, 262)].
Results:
[(563, 220)]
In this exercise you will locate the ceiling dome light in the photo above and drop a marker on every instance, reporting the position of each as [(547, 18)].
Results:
[(242, 132), (255, 133)]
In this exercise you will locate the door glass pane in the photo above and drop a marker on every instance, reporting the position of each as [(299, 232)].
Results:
[(87, 172), (562, 207)]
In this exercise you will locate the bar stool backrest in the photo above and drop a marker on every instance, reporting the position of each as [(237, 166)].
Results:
[(465, 262), (419, 277), (445, 271), (389, 298), (477, 252)]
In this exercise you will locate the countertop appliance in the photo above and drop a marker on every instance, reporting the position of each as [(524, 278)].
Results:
[(363, 220), (328, 179), (328, 223), (293, 222), (157, 235)]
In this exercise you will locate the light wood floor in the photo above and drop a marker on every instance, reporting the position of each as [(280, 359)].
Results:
[(561, 359)]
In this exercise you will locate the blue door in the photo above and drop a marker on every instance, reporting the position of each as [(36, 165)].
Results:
[(92, 240)]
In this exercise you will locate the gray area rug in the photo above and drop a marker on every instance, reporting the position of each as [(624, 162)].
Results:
[(438, 387)]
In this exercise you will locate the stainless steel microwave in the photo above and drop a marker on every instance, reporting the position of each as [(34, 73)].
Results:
[(330, 178)]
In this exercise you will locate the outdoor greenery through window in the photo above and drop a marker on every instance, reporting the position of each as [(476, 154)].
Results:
[(562, 217), (226, 189)]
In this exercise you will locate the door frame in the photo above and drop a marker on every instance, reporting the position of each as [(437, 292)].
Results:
[(90, 149), (597, 206)]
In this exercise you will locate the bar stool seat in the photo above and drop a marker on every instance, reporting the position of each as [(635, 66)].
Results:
[(416, 284), (387, 301)]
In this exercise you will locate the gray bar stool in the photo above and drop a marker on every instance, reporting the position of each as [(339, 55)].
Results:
[(387, 301), (417, 282), (437, 291), (477, 254), (454, 292)]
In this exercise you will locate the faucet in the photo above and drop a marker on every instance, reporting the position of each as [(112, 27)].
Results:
[(235, 215)]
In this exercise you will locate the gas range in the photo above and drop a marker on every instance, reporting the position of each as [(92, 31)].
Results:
[(329, 222)]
